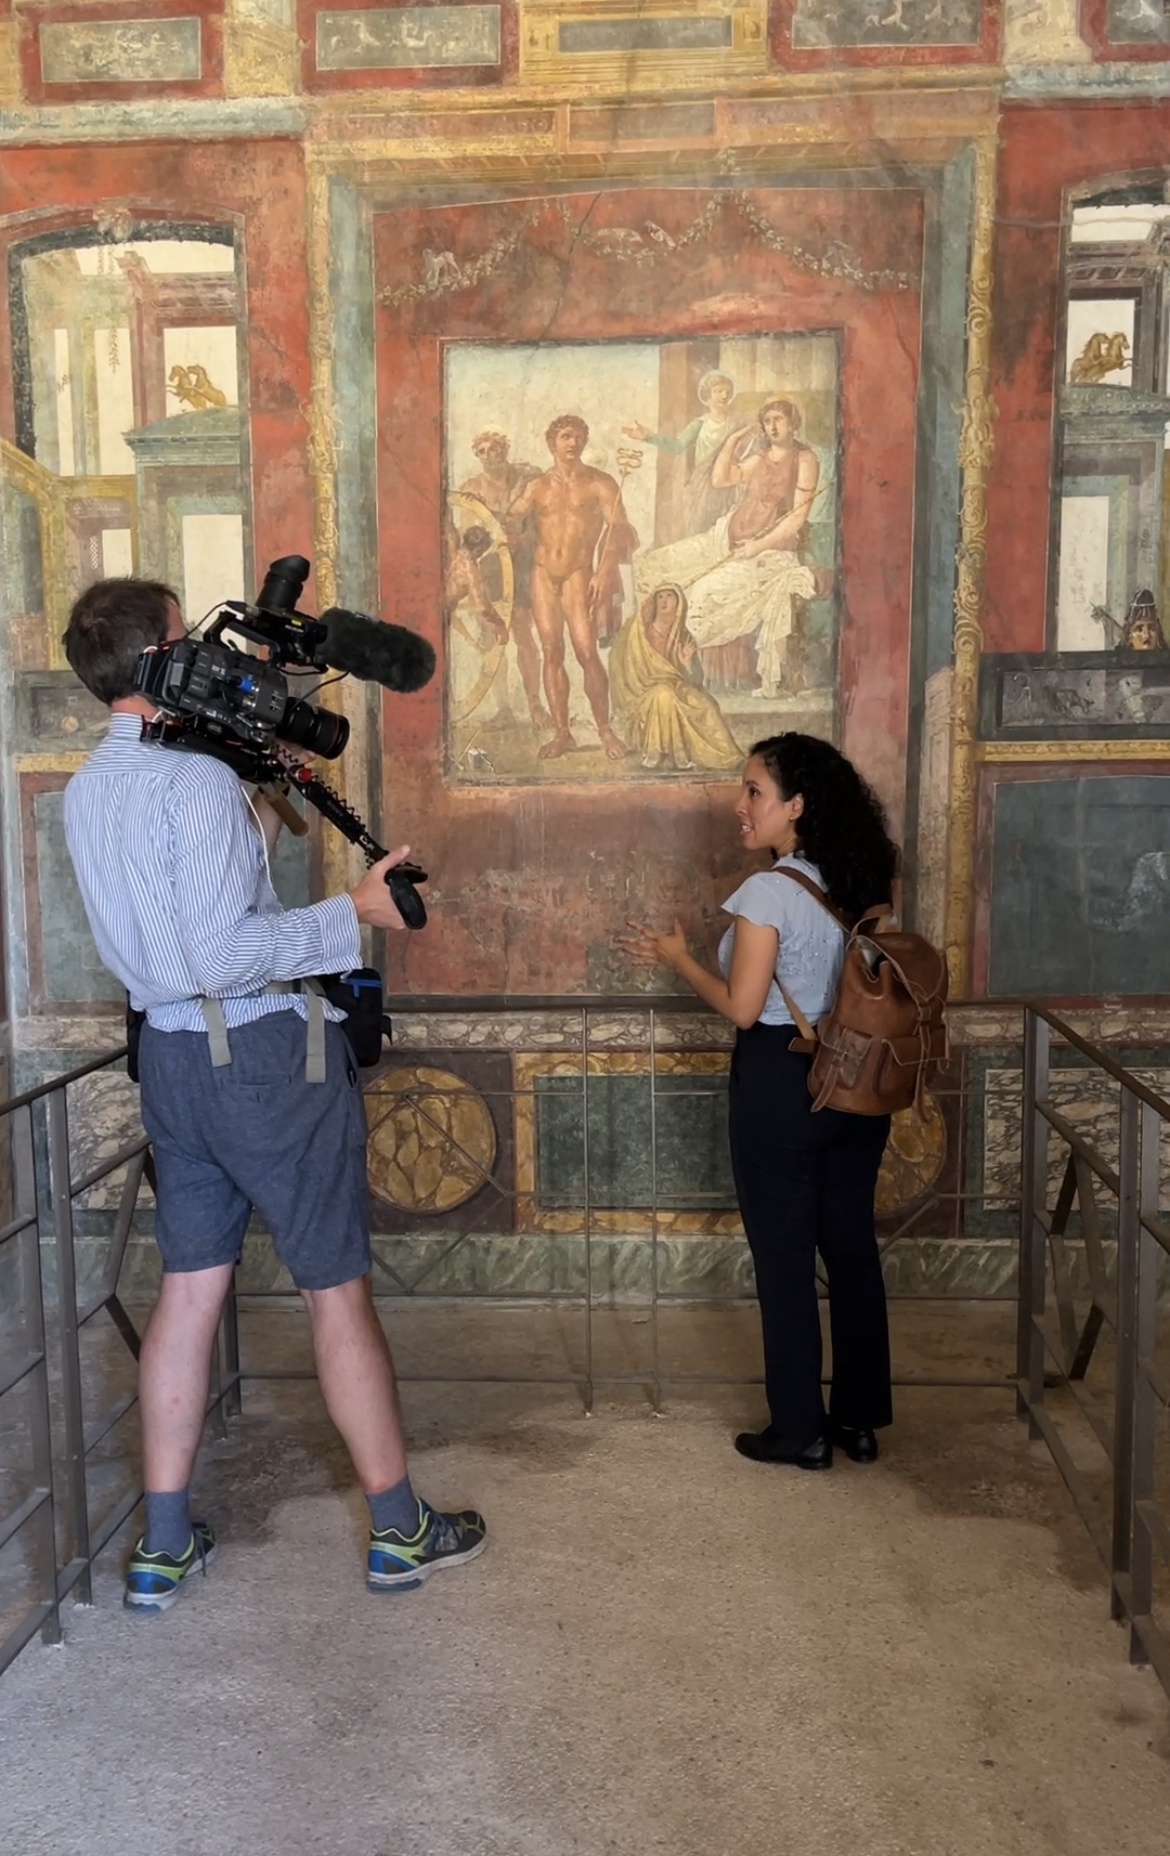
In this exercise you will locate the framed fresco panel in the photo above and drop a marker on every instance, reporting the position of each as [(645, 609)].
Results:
[(1127, 28), (1075, 867), (819, 32), (641, 553), (582, 403), (392, 45), (115, 51)]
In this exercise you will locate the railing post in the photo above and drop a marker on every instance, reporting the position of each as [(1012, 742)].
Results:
[(655, 1359), (61, 1202), (588, 1209), (24, 1182), (1030, 1291), (234, 1399), (1129, 1172), (1145, 1403)]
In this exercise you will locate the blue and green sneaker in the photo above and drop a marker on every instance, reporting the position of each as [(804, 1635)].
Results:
[(155, 1580), (400, 1563)]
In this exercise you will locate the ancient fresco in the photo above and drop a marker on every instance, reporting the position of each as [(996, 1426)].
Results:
[(408, 37), (640, 553), (1137, 22), (123, 51), (1080, 882), (128, 389), (1114, 409), (886, 22)]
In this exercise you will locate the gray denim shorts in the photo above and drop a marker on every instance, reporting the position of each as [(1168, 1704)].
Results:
[(255, 1133)]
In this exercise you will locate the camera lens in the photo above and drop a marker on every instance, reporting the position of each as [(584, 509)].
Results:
[(283, 584), (318, 730)]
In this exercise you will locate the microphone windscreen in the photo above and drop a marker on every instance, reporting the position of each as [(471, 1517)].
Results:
[(377, 653)]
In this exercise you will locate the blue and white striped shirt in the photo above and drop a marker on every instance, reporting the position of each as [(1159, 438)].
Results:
[(175, 883)]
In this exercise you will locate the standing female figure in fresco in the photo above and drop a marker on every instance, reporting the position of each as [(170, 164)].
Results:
[(656, 682), (703, 504), (805, 1182)]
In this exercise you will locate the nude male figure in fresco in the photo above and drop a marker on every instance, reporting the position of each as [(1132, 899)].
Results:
[(573, 505)]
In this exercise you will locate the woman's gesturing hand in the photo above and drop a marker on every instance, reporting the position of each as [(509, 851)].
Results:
[(647, 948)]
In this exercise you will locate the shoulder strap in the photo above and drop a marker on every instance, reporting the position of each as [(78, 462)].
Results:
[(814, 890), (880, 911), (798, 1018)]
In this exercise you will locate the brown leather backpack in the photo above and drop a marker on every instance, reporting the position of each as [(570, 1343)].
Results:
[(885, 1034)]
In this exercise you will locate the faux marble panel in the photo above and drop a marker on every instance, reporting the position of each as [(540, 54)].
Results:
[(70, 964), (1086, 1098), (103, 1118)]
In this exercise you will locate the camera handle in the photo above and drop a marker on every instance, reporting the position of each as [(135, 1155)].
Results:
[(261, 767), (400, 879)]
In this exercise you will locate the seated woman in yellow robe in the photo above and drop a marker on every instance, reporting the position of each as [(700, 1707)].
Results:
[(654, 680)]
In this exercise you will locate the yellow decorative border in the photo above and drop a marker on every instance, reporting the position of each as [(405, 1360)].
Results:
[(992, 753), (543, 62), (260, 60), (976, 444), (53, 495), (527, 1066)]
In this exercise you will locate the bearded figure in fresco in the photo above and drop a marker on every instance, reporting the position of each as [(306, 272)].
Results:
[(745, 574), (656, 680), (496, 485)]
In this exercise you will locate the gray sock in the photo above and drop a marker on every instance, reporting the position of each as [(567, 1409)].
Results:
[(398, 1508), (168, 1523)]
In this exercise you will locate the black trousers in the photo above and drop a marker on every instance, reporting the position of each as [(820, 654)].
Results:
[(805, 1184)]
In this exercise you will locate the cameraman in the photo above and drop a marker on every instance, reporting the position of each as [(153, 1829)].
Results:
[(172, 866)]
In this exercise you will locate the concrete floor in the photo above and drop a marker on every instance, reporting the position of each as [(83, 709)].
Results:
[(665, 1649)]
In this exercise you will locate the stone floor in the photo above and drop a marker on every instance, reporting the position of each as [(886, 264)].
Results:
[(665, 1649)]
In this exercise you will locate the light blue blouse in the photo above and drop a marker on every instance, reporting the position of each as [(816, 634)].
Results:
[(811, 947)]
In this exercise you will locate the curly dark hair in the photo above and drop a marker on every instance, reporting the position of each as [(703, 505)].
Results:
[(842, 829)]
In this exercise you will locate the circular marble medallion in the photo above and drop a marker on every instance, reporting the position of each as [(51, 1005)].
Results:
[(913, 1158), (432, 1139)]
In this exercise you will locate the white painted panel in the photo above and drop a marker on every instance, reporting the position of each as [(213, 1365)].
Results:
[(117, 554), (213, 563), (115, 397), (1084, 572), (64, 402)]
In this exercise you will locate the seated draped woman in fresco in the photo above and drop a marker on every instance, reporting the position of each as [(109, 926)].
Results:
[(653, 678), (743, 574)]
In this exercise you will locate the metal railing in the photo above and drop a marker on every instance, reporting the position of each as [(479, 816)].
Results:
[(1119, 1505), (591, 1032), (40, 1194), (1056, 1350)]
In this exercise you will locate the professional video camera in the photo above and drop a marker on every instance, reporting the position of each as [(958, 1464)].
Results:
[(216, 699)]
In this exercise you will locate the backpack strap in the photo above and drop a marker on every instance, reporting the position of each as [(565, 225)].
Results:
[(880, 911), (814, 890), (808, 1036)]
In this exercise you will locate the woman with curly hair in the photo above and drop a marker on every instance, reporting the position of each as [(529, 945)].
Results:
[(805, 1182)]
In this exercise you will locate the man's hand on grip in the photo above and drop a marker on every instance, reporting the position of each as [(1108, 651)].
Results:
[(372, 899)]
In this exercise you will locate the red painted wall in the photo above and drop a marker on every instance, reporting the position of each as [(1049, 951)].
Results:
[(1045, 150), (258, 186), (535, 880)]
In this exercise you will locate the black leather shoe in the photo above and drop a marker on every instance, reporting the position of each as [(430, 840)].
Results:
[(766, 1447), (859, 1444)]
